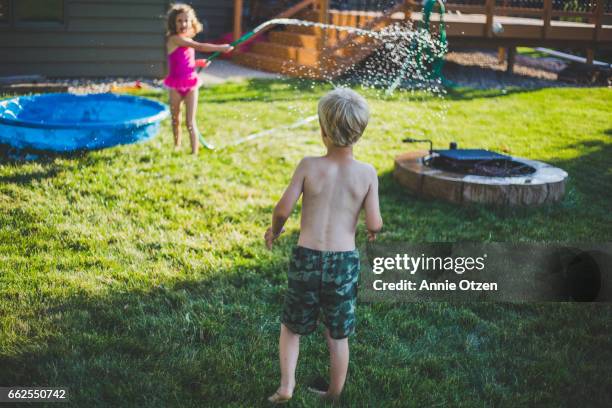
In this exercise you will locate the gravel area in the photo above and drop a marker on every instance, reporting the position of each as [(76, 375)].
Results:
[(100, 85), (219, 72), (481, 69)]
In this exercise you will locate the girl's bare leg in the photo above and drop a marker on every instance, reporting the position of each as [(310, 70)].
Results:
[(191, 104), (175, 110), (339, 360), (289, 349)]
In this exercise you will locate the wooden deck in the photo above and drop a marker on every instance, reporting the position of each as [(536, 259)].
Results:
[(470, 30), (582, 24), (315, 53)]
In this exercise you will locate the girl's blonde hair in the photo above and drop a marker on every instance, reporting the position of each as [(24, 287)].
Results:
[(174, 11)]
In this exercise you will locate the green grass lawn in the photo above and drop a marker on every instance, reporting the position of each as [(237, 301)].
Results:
[(137, 276)]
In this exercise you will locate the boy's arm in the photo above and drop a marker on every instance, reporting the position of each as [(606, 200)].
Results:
[(202, 47), (373, 219), (284, 207)]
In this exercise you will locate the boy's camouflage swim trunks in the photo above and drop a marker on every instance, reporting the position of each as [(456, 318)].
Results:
[(323, 280)]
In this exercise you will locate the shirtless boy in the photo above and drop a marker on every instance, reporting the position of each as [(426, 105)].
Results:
[(324, 267)]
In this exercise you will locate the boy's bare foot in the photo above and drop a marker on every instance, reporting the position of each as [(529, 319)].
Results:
[(280, 397)]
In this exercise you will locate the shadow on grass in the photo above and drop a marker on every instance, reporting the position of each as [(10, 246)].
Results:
[(48, 161), (468, 94), (592, 171), (21, 158), (209, 338), (124, 337), (28, 178), (214, 340)]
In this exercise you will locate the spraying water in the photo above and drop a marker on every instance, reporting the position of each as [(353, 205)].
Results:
[(418, 39), (411, 55), (292, 21)]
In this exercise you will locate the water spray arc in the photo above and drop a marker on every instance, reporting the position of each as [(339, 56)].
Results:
[(289, 21), (412, 36), (257, 30)]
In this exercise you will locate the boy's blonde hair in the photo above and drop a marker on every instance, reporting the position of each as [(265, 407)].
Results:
[(175, 10), (343, 115)]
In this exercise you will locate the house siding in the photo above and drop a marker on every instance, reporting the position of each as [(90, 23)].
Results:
[(101, 38), (216, 15)]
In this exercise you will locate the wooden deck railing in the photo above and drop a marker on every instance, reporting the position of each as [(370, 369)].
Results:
[(597, 13), (593, 17), (594, 13)]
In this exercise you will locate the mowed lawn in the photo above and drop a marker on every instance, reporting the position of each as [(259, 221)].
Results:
[(137, 276)]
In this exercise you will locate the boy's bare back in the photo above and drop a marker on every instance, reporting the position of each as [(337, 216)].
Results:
[(334, 189)]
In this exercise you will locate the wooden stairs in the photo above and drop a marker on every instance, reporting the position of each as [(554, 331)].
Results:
[(316, 53)]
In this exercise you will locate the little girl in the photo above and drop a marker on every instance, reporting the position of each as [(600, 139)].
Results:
[(182, 80)]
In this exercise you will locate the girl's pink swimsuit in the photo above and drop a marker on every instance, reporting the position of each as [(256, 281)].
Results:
[(182, 66)]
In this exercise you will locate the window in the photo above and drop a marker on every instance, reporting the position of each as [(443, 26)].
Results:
[(39, 11), (4, 11)]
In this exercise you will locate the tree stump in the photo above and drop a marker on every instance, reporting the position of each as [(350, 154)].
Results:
[(545, 186)]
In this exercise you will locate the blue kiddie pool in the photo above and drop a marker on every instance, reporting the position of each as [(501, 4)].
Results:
[(65, 122)]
